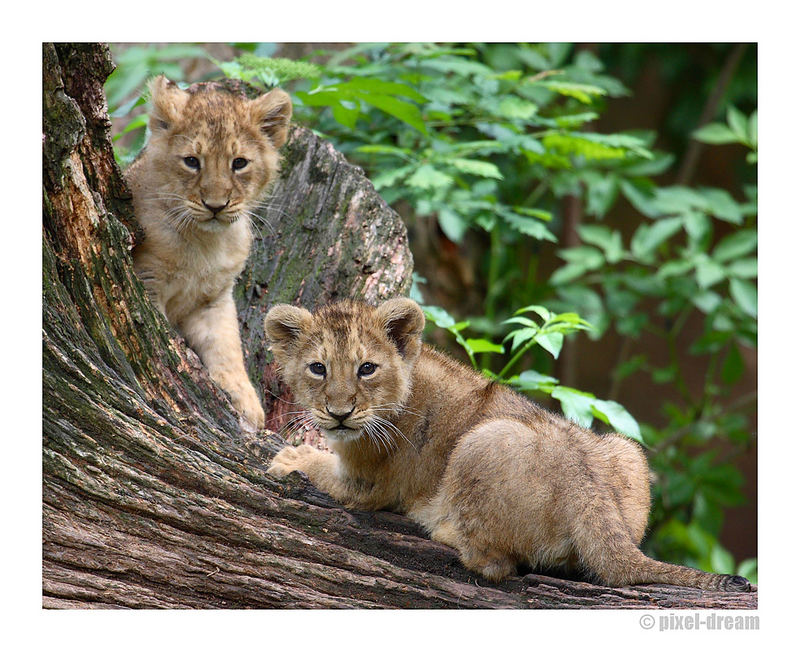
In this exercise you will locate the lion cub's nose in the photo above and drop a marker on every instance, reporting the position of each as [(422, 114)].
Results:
[(339, 416), (215, 207)]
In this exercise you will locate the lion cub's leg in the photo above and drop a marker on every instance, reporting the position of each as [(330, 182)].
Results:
[(321, 468), (488, 502), (213, 332)]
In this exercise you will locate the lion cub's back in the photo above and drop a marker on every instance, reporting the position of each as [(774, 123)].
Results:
[(554, 468)]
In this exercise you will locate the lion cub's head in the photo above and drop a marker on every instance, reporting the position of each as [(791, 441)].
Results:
[(349, 364), (212, 153)]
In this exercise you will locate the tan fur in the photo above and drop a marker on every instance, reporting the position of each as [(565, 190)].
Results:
[(197, 220), (482, 468)]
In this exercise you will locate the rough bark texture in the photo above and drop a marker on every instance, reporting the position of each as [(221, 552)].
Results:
[(152, 497)]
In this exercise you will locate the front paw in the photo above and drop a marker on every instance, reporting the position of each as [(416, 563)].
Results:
[(247, 404), (291, 458)]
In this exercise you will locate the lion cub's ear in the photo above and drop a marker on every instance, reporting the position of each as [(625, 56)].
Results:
[(283, 325), (168, 103), (403, 321), (272, 112)]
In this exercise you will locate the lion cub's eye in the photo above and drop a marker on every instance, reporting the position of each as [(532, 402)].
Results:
[(239, 163), (317, 368), (191, 162), (367, 369)]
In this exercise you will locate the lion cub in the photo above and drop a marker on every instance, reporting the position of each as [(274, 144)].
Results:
[(210, 156), (480, 467)]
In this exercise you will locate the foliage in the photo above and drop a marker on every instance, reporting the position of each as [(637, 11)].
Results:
[(581, 407), (488, 140), (738, 129)]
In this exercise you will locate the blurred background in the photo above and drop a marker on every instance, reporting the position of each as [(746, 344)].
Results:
[(583, 224)]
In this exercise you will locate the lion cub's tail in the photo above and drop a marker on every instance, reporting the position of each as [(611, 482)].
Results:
[(608, 551)]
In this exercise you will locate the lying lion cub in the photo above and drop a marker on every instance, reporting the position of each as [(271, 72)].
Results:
[(483, 469)]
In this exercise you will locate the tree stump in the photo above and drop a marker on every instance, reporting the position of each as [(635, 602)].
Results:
[(152, 496)]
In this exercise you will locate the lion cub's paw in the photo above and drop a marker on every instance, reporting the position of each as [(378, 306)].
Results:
[(247, 404), (292, 458)]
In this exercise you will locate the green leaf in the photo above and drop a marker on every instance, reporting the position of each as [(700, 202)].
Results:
[(715, 133), (744, 268), (385, 149), (478, 168), (575, 120), (515, 108), (650, 167), (345, 115), (543, 312), (707, 301), (439, 316), (753, 129), (627, 141), (458, 66), (528, 226), (138, 122), (618, 418), (391, 176), (428, 177), (735, 245), (649, 236), (732, 366), (745, 295), (533, 380), (749, 569), (381, 87), (534, 212), (521, 336), (551, 342), (126, 108), (581, 92), (721, 560), (576, 405), (601, 194), (567, 273), (484, 346), (591, 146), (453, 225), (738, 124), (528, 323), (699, 229), (708, 272), (604, 238), (674, 268), (400, 109), (573, 320), (721, 205), (587, 257), (641, 195), (679, 200)]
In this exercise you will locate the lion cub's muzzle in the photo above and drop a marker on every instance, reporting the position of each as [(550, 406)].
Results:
[(339, 423)]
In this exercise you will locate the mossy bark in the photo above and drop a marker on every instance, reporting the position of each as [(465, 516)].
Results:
[(152, 496)]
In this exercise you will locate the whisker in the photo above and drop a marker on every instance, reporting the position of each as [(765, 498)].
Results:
[(386, 423), (395, 407)]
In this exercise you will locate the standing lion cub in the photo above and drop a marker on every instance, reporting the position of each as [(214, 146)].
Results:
[(483, 469), (210, 157)]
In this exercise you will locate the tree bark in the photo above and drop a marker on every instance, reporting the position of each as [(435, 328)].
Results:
[(151, 495)]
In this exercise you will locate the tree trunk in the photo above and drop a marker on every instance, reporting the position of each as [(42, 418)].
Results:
[(152, 496)]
